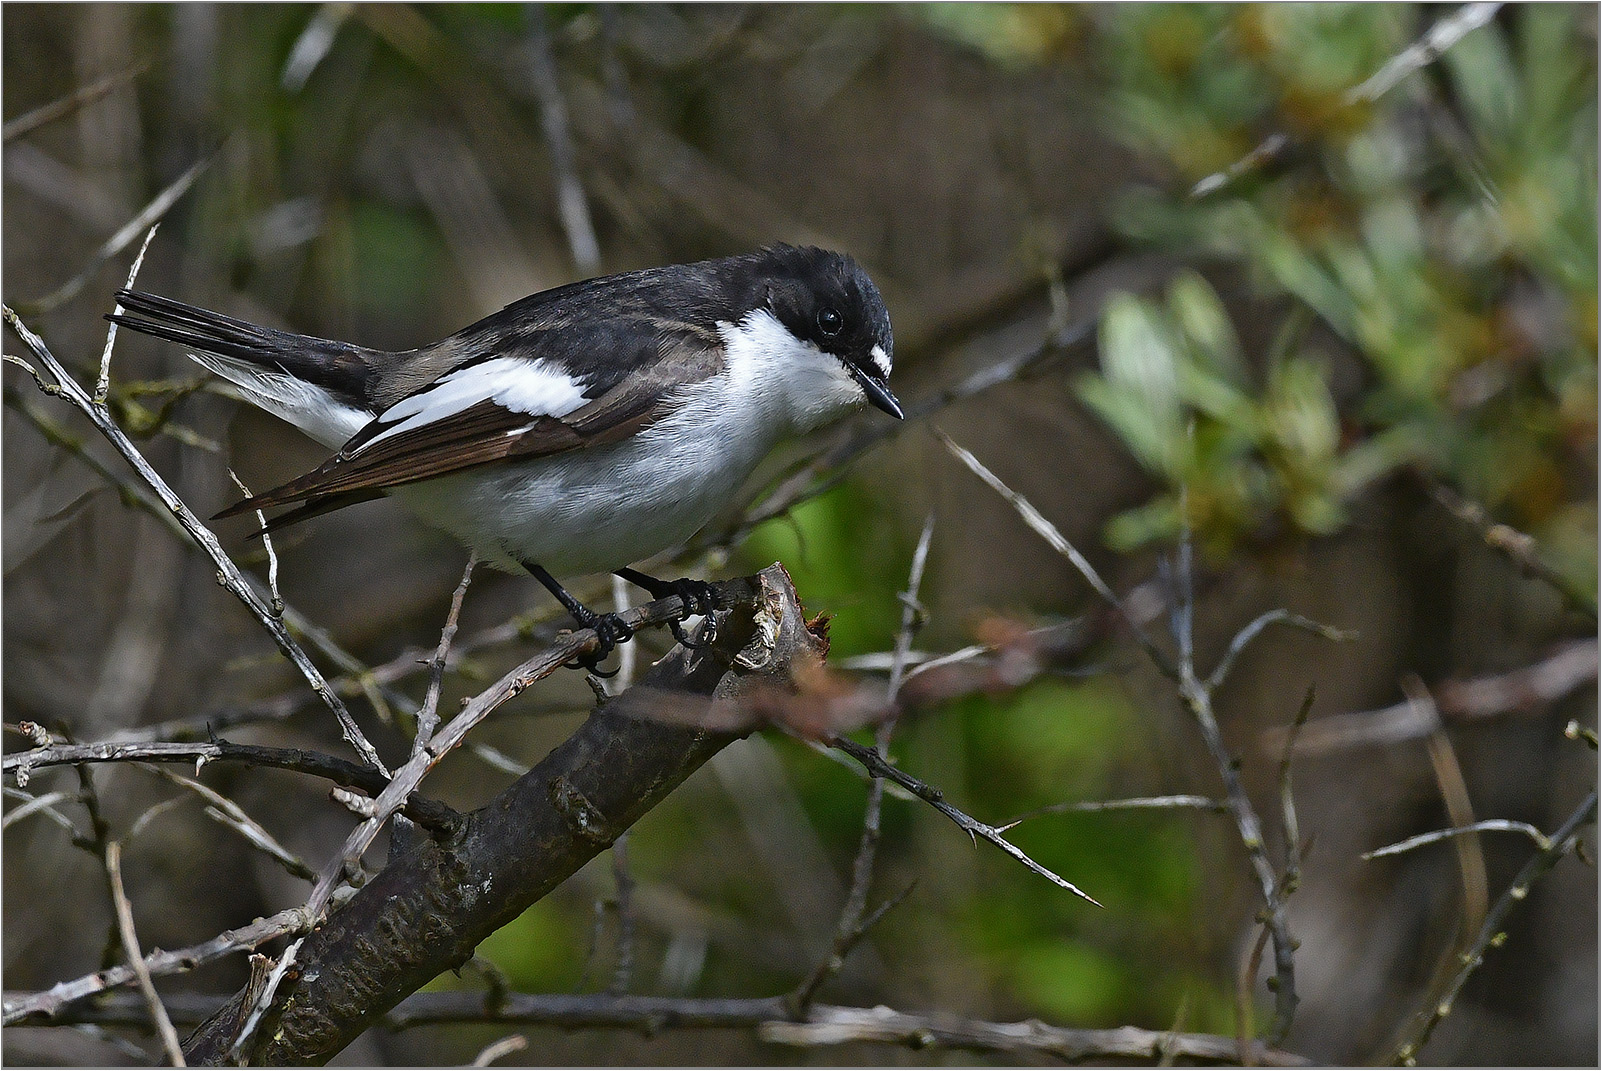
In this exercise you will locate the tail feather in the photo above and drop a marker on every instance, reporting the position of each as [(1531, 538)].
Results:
[(319, 385)]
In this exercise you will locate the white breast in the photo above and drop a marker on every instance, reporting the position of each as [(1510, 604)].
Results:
[(598, 509)]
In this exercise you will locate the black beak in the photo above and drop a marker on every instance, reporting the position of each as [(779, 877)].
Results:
[(877, 392)]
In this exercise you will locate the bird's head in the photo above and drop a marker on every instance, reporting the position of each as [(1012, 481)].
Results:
[(827, 300)]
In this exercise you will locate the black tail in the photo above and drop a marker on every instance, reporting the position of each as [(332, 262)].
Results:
[(338, 367)]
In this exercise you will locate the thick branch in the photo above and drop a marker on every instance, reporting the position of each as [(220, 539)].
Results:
[(437, 899)]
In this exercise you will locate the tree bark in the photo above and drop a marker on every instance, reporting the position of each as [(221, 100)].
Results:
[(438, 897)]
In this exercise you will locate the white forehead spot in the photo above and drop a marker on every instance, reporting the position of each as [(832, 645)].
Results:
[(881, 361), (523, 386)]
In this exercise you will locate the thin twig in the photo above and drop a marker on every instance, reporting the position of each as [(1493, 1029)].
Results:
[(158, 207), (1138, 803), (869, 758), (428, 713), (1488, 825), (1519, 548), (1198, 699), (850, 928), (136, 958), (35, 804), (103, 381), (622, 973), (824, 1025), (572, 209), (424, 812), (1245, 636), (1426, 50), (276, 600), (497, 1049), (1058, 542), (1490, 935), (64, 106), (1526, 689), (228, 573), (230, 814)]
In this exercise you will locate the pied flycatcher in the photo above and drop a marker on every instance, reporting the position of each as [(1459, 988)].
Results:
[(578, 430)]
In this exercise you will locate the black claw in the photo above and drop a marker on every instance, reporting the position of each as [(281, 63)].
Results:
[(699, 597)]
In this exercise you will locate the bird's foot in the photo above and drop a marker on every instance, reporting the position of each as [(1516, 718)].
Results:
[(698, 596), (610, 630)]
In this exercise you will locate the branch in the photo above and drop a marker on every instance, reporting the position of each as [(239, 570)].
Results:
[(1559, 844), (825, 1024), (425, 812), (1519, 548), (439, 897), (228, 574), (1426, 50), (136, 960), (876, 765), (851, 927), (1529, 688)]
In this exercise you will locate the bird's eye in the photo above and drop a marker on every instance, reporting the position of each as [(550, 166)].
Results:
[(830, 321)]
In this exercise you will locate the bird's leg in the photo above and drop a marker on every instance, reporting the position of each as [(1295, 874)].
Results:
[(609, 628), (698, 596)]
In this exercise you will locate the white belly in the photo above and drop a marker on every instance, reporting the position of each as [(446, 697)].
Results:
[(598, 509)]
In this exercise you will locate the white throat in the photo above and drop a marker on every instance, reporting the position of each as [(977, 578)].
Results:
[(784, 379)]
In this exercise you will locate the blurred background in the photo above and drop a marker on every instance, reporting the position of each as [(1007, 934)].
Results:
[(1314, 361)]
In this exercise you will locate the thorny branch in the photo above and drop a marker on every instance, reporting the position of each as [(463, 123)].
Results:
[(1196, 694), (228, 573), (851, 927)]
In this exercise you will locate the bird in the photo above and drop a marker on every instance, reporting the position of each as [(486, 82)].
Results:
[(578, 430)]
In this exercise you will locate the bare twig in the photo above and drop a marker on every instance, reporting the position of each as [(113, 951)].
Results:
[(1426, 50), (62, 107), (838, 1026), (1488, 825), (1490, 935), (824, 1025), (158, 207), (230, 814), (1138, 803), (228, 573), (1038, 523), (428, 714), (276, 601), (136, 958), (850, 928), (497, 1049), (103, 382), (425, 812), (572, 209), (1528, 688), (1245, 636), (37, 804), (622, 973), (1519, 548), (1423, 52)]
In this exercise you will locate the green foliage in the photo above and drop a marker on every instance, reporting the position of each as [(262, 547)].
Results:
[(1439, 256), (842, 564)]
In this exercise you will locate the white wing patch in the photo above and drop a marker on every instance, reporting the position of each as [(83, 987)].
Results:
[(513, 383)]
